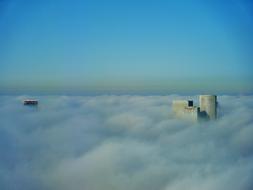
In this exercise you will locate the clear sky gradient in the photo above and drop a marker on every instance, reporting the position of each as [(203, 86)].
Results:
[(127, 45)]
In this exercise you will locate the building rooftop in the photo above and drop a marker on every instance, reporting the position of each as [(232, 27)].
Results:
[(30, 102)]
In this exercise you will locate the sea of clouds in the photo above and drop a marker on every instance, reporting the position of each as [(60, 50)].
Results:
[(123, 143)]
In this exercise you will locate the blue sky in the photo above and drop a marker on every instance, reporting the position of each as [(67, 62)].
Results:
[(127, 45)]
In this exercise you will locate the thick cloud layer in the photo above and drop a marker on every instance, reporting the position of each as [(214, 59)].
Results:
[(123, 143)]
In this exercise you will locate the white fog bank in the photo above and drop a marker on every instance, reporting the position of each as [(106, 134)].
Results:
[(123, 143)]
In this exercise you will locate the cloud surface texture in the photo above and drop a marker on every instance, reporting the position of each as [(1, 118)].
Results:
[(123, 143)]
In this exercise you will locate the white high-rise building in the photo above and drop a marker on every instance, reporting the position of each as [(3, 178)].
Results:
[(208, 104), (207, 109)]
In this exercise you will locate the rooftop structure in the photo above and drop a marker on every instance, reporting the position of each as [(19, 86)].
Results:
[(30, 102), (208, 104), (184, 109)]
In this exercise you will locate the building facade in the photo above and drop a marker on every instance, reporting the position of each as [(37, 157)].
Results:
[(184, 109)]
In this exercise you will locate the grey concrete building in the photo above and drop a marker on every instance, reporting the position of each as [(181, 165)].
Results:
[(184, 109)]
